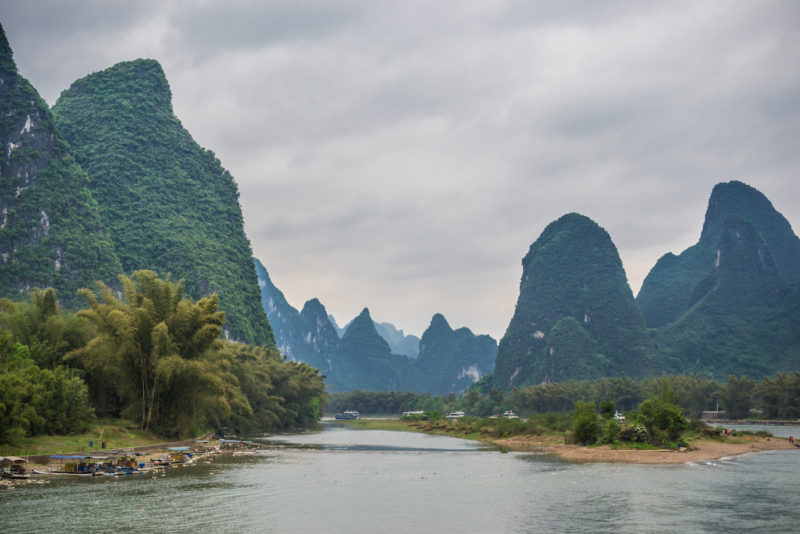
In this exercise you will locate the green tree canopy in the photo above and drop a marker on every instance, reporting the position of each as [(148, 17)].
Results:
[(150, 344)]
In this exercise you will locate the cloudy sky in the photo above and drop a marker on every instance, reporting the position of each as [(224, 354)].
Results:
[(404, 155)]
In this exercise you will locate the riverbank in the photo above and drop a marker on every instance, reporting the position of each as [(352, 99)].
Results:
[(698, 449)]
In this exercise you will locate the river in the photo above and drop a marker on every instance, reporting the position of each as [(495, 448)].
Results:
[(346, 480)]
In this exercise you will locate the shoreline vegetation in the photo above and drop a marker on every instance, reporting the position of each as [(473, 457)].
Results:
[(696, 449)]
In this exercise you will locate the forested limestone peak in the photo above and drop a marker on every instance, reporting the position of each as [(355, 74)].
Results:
[(743, 266), (7, 64), (142, 82), (669, 288), (50, 232), (362, 327), (313, 308), (572, 270), (168, 203)]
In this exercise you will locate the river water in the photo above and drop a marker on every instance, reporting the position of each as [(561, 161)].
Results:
[(346, 480)]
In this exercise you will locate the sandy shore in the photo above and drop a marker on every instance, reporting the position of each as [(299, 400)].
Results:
[(699, 450)]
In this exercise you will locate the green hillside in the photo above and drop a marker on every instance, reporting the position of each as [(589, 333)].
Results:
[(743, 319), (168, 203), (51, 234), (575, 316), (667, 290)]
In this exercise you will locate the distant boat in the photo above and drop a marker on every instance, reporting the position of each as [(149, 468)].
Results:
[(510, 414), (455, 415), (413, 412), (619, 417), (348, 415)]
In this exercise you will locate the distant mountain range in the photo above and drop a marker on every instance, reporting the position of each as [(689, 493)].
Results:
[(376, 356)]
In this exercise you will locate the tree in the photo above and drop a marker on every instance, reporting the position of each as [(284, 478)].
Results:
[(780, 396), (736, 396), (36, 401), (607, 409), (585, 423), (151, 343), (663, 420), (39, 325)]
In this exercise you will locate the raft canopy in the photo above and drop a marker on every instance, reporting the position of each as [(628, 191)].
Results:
[(12, 460)]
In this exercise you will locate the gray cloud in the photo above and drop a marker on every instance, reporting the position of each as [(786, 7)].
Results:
[(404, 156)]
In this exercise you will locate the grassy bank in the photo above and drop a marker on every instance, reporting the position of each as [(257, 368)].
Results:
[(536, 432), (117, 433), (456, 429)]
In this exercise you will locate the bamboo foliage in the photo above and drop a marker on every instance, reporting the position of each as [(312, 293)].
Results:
[(154, 336)]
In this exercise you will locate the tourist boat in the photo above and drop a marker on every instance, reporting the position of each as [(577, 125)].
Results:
[(619, 417), (510, 414), (13, 467), (348, 415), (71, 465), (455, 415), (413, 413)]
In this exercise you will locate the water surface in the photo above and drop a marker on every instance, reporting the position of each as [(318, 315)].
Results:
[(347, 480)]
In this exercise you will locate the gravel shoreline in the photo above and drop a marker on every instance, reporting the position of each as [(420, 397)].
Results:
[(703, 450)]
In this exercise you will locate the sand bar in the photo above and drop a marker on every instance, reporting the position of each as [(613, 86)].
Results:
[(699, 450)]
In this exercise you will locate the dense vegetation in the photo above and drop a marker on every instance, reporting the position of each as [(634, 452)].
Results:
[(153, 356), (168, 204), (744, 318), (575, 316), (667, 290), (51, 234), (727, 305), (739, 397)]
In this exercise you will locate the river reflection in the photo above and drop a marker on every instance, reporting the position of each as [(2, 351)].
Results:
[(346, 480)]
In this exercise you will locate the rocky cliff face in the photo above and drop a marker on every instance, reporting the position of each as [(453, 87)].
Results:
[(575, 316), (168, 203), (51, 234)]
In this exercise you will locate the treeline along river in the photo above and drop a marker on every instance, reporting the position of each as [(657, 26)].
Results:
[(347, 480)]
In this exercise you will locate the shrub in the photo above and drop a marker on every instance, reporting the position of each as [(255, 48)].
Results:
[(585, 423), (634, 433)]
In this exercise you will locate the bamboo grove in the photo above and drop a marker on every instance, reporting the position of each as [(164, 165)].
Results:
[(145, 352)]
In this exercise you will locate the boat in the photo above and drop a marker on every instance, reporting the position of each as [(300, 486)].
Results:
[(509, 414), (458, 414), (348, 415), (618, 417), (413, 413), (13, 467)]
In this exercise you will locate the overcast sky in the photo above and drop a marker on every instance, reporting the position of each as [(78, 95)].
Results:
[(404, 155)]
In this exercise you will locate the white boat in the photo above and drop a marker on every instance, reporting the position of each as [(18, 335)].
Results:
[(619, 417), (348, 415), (510, 414), (455, 415)]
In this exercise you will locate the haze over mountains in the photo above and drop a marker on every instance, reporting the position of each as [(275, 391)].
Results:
[(109, 182), (376, 356)]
